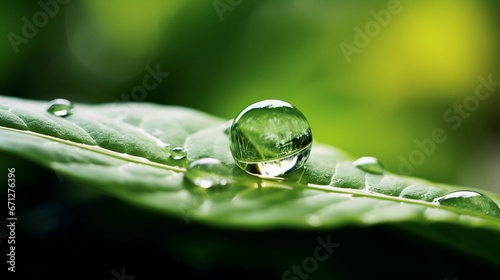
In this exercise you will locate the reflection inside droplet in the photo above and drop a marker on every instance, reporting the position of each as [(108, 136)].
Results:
[(270, 138)]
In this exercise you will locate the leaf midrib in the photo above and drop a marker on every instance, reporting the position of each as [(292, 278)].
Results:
[(324, 188), (99, 150)]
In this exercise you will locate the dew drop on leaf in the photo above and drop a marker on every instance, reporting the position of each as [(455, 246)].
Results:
[(60, 107), (469, 200), (369, 164), (208, 173), (178, 153), (270, 138)]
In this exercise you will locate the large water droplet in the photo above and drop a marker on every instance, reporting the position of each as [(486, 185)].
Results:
[(270, 138), (369, 164), (178, 153), (471, 201), (60, 107), (208, 173), (226, 127)]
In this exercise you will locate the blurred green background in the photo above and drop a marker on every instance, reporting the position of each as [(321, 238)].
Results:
[(372, 77), (392, 88)]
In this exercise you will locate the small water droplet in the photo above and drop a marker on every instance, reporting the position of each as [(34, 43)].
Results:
[(60, 107), (471, 201), (178, 153), (369, 164), (208, 173), (270, 138)]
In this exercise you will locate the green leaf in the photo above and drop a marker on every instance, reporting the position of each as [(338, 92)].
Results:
[(123, 149)]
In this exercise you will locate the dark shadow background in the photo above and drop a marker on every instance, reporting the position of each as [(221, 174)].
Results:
[(224, 55)]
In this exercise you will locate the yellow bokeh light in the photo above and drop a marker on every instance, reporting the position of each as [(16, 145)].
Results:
[(433, 47)]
